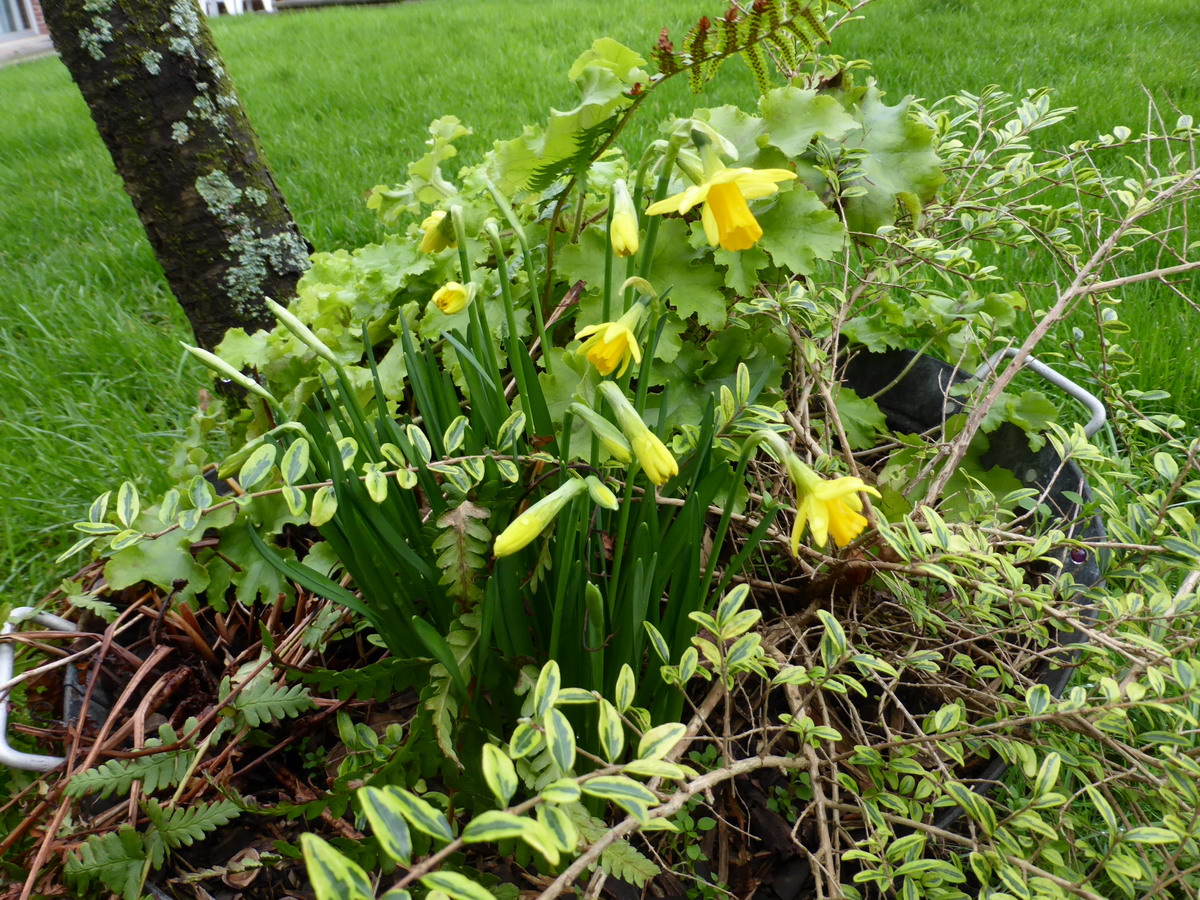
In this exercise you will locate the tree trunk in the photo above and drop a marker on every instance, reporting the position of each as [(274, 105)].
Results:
[(180, 140)]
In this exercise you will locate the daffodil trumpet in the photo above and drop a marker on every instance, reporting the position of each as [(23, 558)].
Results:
[(656, 460), (727, 219), (609, 346), (529, 524), (827, 507), (452, 297), (437, 232)]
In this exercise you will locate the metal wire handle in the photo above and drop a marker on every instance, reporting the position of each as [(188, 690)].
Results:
[(9, 756), (1088, 399)]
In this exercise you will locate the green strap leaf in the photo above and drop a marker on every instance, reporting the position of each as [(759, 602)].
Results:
[(310, 579), (437, 646)]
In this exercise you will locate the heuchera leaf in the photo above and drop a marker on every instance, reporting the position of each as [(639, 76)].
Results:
[(799, 230), (794, 117), (901, 165), (695, 286), (860, 417)]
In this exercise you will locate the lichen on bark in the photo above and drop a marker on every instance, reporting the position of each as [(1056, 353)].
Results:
[(179, 137)]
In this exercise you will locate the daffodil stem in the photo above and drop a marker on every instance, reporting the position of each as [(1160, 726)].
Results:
[(622, 528), (580, 191), (460, 238), (658, 324), (739, 476), (510, 314), (660, 191), (483, 336), (606, 315), (535, 300)]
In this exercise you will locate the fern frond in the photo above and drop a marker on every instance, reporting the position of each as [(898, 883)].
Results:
[(587, 145), (778, 24), (621, 859), (462, 550), (155, 771), (376, 681), (114, 859), (183, 826), (439, 696), (93, 604), (663, 54), (262, 701)]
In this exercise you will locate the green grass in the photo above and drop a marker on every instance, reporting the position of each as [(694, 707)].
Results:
[(92, 385)]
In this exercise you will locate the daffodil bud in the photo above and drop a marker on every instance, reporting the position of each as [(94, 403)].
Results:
[(610, 436), (624, 231), (452, 297), (438, 233), (300, 330), (224, 369), (657, 461), (529, 524), (601, 494)]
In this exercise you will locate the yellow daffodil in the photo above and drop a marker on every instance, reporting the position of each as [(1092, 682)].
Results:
[(828, 507), (437, 233), (613, 344), (451, 298), (624, 231), (612, 439), (728, 222), (529, 524), (657, 461)]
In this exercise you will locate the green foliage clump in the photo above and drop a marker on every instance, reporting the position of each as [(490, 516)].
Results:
[(586, 555)]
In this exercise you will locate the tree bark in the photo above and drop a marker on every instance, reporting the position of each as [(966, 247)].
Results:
[(180, 140)]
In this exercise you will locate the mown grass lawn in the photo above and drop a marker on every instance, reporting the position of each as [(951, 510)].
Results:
[(93, 387)]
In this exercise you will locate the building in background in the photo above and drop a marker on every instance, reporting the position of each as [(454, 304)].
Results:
[(20, 19)]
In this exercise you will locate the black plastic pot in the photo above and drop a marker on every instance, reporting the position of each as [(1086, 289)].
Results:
[(920, 402)]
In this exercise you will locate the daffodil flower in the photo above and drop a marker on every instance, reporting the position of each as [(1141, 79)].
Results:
[(657, 461), (451, 298), (827, 508), (624, 231), (529, 524), (437, 235), (613, 344), (728, 222), (612, 439)]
